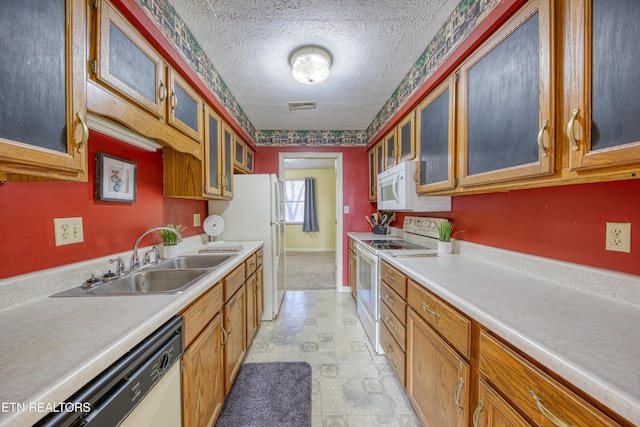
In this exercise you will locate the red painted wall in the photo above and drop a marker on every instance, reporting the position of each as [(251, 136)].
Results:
[(565, 223), (355, 181), (27, 210)]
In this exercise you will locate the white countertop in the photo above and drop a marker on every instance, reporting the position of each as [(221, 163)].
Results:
[(54, 346), (592, 340)]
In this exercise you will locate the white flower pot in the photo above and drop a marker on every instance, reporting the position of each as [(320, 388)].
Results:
[(445, 247), (170, 251)]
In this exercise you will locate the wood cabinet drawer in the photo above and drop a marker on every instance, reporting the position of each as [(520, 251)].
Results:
[(542, 398), (453, 326), (395, 303), (394, 353), (392, 277), (198, 315), (394, 325), (233, 281), (250, 264), (259, 256)]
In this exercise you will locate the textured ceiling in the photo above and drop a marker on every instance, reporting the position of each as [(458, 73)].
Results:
[(374, 44)]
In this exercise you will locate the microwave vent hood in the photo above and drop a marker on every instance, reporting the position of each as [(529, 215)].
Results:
[(397, 191)]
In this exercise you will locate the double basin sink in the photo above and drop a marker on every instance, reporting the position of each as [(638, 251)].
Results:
[(169, 277)]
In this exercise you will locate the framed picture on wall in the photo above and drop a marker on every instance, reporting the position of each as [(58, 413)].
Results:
[(115, 179)]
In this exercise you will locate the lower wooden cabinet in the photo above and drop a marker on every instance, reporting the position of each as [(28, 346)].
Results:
[(540, 397), (438, 378), (252, 312), (235, 343), (493, 411), (216, 341), (260, 291), (458, 373), (202, 377)]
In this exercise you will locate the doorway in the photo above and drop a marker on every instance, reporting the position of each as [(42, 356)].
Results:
[(322, 250)]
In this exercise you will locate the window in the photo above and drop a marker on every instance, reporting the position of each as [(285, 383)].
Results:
[(294, 201)]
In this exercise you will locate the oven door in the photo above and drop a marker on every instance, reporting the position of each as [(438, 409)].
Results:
[(367, 293)]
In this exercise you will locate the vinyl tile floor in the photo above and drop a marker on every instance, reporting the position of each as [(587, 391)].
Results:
[(352, 385)]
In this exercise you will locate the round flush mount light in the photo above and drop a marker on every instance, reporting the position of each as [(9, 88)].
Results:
[(310, 65)]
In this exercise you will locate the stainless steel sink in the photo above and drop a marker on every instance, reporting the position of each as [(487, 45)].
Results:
[(150, 282), (193, 261), (145, 282), (169, 277)]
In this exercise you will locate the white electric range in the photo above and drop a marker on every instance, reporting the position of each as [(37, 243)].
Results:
[(419, 237)]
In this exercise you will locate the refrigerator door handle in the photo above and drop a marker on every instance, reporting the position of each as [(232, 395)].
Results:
[(278, 242)]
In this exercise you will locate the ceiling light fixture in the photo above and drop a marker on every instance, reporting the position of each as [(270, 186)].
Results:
[(310, 65)]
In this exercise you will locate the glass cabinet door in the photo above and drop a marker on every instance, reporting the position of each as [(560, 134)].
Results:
[(406, 140), (505, 102), (601, 114), (212, 154), (435, 118), (227, 155), (128, 64), (185, 107)]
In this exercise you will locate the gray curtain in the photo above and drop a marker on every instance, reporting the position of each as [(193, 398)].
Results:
[(310, 223)]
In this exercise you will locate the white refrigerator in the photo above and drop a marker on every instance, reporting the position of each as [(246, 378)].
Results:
[(256, 212)]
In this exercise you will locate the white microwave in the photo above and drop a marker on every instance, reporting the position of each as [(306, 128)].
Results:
[(397, 191)]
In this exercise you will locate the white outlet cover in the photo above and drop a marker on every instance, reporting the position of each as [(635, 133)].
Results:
[(68, 231), (618, 237)]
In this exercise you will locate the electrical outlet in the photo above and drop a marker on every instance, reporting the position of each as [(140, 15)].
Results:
[(68, 230), (196, 220), (618, 236)]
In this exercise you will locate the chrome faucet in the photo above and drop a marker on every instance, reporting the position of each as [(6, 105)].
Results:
[(135, 261)]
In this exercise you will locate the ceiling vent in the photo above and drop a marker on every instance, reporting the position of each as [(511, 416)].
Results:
[(302, 105)]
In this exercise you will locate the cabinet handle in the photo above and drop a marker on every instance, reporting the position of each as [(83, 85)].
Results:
[(85, 132), (388, 299), (389, 277), (389, 349), (388, 322), (543, 150), (457, 395), (162, 91), (426, 308), (224, 336), (174, 101), (570, 133), (476, 413), (547, 413), (230, 325)]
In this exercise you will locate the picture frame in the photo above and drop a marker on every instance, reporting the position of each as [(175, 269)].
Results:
[(116, 179)]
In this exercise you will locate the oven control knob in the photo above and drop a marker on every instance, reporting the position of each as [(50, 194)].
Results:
[(428, 224)]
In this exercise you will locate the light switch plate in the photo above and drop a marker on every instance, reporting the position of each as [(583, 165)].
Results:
[(196, 220)]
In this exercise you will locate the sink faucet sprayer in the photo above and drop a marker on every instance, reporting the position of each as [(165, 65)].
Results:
[(135, 261)]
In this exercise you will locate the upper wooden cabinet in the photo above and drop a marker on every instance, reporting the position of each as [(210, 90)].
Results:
[(390, 149), (208, 178), (250, 160), (131, 84), (435, 134), (505, 95), (185, 107), (601, 83), (126, 63), (243, 157), (405, 145), (227, 160), (373, 175), (43, 132)]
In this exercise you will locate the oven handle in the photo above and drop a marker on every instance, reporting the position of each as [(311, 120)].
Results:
[(361, 252)]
